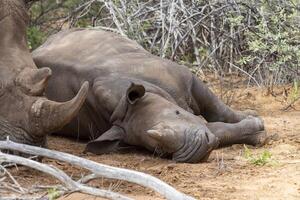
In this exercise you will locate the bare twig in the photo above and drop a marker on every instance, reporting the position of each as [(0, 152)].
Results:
[(13, 179), (246, 74), (290, 104)]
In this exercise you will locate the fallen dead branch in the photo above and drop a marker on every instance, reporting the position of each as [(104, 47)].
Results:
[(98, 169), (60, 175)]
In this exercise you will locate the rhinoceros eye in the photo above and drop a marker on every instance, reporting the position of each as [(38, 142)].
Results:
[(177, 112)]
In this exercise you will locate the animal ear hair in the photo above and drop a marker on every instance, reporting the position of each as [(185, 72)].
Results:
[(135, 92)]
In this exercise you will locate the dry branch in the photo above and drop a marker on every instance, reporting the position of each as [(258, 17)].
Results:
[(290, 104), (13, 179), (60, 175), (101, 169)]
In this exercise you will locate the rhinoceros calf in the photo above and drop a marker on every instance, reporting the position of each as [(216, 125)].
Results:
[(139, 99), (26, 116)]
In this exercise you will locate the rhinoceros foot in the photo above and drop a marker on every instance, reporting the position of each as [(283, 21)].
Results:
[(258, 137)]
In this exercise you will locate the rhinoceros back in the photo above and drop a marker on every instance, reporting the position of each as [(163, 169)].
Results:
[(79, 55), (85, 48), (93, 53)]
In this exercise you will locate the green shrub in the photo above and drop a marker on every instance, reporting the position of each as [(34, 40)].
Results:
[(257, 38), (34, 37), (273, 44), (261, 159)]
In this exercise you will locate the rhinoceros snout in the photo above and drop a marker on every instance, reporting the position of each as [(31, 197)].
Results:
[(197, 146)]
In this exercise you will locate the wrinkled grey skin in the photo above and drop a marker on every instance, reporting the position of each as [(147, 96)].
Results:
[(139, 99), (26, 116)]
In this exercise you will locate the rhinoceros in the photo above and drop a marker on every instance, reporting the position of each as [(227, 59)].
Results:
[(139, 99), (26, 116)]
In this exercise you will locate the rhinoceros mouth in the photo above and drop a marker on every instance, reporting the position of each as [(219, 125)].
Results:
[(18, 134), (197, 146)]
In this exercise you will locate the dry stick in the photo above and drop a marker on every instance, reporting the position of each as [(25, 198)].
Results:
[(245, 73), (7, 186), (13, 179), (195, 25), (101, 169), (171, 21), (162, 16), (125, 19), (60, 175), (114, 16), (193, 35), (290, 104)]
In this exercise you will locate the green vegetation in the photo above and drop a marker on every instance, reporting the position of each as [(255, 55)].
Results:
[(295, 94), (256, 38), (261, 159), (53, 193), (273, 43), (35, 37)]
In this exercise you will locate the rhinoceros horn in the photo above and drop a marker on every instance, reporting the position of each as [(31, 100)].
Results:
[(33, 81), (165, 135), (50, 116)]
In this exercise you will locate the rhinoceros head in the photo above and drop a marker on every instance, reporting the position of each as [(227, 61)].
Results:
[(147, 119), (25, 115)]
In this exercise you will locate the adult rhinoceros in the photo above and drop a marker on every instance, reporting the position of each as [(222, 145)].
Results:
[(139, 99), (26, 116)]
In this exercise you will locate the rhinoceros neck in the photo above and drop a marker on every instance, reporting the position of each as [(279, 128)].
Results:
[(13, 21)]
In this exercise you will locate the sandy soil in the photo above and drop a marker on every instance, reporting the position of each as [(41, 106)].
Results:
[(228, 174)]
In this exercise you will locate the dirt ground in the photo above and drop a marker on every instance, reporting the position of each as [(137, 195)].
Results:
[(228, 174)]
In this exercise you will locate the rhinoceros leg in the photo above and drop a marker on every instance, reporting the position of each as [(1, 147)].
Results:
[(211, 107), (247, 131)]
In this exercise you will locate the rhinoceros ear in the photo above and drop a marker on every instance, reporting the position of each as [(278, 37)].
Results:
[(110, 141), (135, 92)]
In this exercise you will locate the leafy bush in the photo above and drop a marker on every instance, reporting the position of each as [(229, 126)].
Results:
[(273, 43), (47, 18), (35, 37), (257, 38)]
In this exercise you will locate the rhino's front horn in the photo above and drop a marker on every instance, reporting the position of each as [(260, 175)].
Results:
[(166, 137), (50, 116), (155, 134), (161, 132)]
